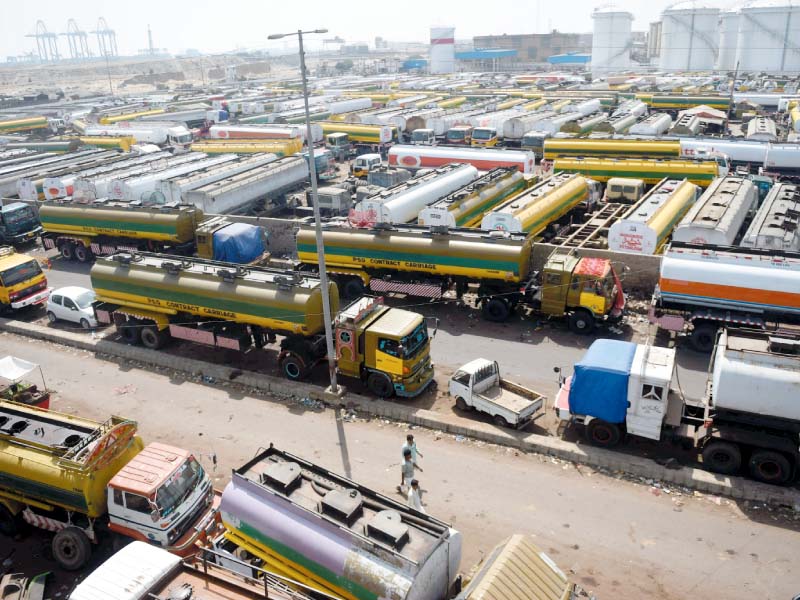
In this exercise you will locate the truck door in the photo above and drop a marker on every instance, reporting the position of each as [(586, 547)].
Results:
[(647, 406)]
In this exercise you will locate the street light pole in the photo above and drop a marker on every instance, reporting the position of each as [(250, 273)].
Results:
[(312, 167)]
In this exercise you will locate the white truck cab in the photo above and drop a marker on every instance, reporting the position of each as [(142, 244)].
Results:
[(478, 385), (365, 163), (423, 137)]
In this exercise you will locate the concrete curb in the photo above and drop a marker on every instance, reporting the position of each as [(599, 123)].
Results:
[(696, 479)]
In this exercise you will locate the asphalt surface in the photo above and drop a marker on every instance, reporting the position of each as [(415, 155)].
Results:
[(620, 539)]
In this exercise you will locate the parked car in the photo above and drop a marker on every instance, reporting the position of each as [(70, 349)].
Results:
[(73, 304)]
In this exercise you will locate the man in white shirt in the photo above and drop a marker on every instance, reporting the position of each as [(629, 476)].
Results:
[(411, 445), (414, 500), (406, 472)]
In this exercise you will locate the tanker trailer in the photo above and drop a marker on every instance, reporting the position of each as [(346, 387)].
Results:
[(646, 226), (483, 159), (534, 210), (651, 171), (466, 206), (427, 262), (152, 298), (335, 535), (702, 288), (82, 231), (403, 202)]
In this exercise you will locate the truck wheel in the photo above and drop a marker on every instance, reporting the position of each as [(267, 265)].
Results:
[(67, 251), (462, 405), (293, 367), (496, 310), (380, 385), (602, 433), (153, 338), (353, 288), (9, 524), (130, 332), (82, 253), (582, 322), (703, 337), (770, 467), (722, 457), (500, 421), (71, 548)]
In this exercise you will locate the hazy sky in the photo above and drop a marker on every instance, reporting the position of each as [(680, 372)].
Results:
[(227, 24)]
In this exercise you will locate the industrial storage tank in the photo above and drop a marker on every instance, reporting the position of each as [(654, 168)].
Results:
[(403, 202), (535, 209), (654, 125), (443, 50), (769, 37), (728, 40), (472, 254), (176, 225), (611, 41), (275, 299), (718, 215), (689, 37), (645, 228)]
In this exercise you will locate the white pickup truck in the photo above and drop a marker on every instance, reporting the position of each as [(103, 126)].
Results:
[(477, 385)]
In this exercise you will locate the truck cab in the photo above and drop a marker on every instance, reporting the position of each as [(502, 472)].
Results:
[(324, 162), (423, 137), (339, 144), (179, 139), (485, 137), (22, 282), (708, 153), (585, 290), (388, 348), (459, 135), (534, 141), (365, 163), (624, 190), (18, 223)]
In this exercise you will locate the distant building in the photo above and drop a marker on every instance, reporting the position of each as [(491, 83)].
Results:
[(536, 47)]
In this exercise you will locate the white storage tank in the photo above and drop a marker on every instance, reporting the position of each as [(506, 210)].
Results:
[(769, 37), (443, 50), (728, 40), (689, 37), (611, 41)]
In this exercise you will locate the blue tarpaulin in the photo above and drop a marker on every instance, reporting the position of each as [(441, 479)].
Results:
[(238, 243), (600, 382)]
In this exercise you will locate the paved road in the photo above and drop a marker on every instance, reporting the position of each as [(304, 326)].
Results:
[(526, 351), (618, 538)]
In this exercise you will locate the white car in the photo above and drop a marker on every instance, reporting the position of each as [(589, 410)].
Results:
[(74, 304)]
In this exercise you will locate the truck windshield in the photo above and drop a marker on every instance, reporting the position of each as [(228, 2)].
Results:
[(419, 136), (482, 134), (458, 134), (415, 341), (18, 216), (179, 485), (183, 139), (20, 273)]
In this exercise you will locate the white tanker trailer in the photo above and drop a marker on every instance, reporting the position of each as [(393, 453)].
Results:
[(483, 159)]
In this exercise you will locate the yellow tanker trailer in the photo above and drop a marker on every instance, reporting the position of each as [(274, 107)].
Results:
[(651, 171), (153, 297), (77, 477)]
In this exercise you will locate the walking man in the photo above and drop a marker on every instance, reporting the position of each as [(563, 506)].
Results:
[(412, 445), (406, 472), (414, 500)]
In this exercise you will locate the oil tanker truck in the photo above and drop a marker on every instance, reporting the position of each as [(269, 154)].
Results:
[(649, 170), (81, 231), (79, 478), (425, 262), (336, 536), (748, 419), (152, 298), (701, 288)]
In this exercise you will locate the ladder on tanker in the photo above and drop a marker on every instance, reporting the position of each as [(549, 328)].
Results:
[(591, 233)]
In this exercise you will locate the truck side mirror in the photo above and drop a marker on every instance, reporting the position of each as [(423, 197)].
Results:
[(154, 515)]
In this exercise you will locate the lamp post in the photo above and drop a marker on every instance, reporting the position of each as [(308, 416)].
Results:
[(312, 167)]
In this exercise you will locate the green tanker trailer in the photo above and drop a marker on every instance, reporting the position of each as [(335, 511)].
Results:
[(154, 297), (419, 261), (101, 228)]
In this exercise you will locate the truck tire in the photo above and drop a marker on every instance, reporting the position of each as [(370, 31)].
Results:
[(462, 405), (500, 421), (9, 524), (496, 310), (770, 467), (380, 385), (722, 457), (581, 322), (603, 434), (353, 288), (82, 253), (153, 338), (130, 332), (703, 337), (71, 548), (293, 367), (67, 251)]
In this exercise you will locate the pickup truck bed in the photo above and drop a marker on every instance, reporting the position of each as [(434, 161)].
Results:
[(508, 395)]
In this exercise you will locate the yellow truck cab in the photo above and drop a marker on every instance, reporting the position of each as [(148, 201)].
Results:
[(388, 348), (79, 478), (485, 137), (365, 163), (22, 282)]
